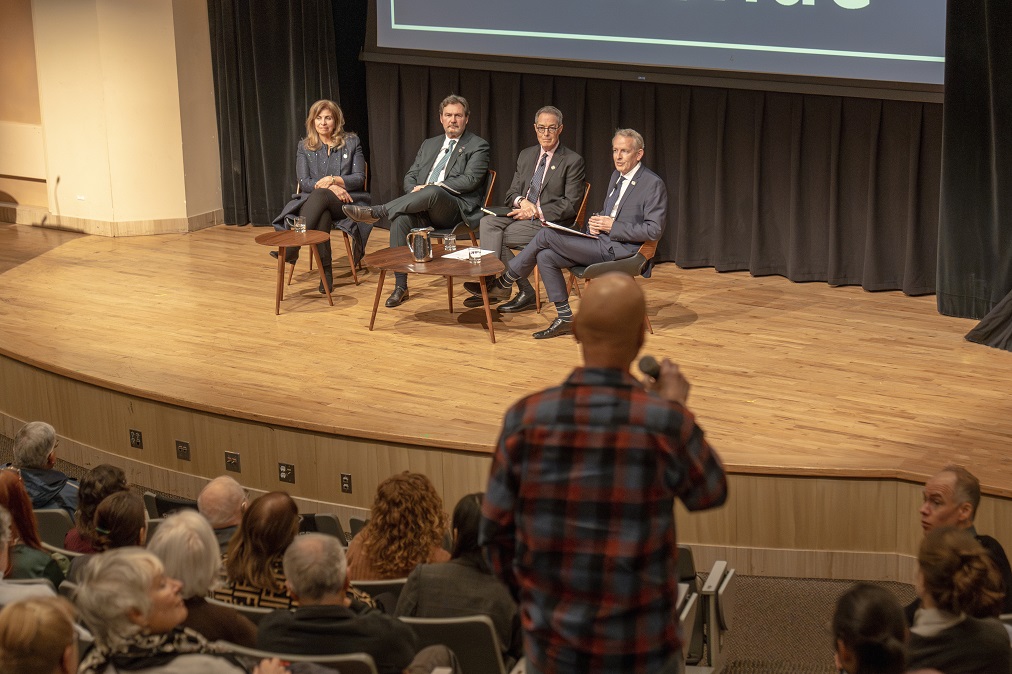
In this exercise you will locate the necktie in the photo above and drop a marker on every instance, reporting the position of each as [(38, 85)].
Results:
[(539, 177), (609, 203), (437, 169)]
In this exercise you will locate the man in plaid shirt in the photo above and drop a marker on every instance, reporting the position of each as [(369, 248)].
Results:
[(578, 516)]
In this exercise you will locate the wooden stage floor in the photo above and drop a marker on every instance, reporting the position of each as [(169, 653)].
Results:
[(788, 379)]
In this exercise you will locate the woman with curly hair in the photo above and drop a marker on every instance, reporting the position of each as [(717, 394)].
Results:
[(958, 584), (101, 481), (253, 571), (405, 529)]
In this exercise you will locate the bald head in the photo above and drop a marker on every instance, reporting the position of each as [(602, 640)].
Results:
[(609, 324), (221, 502)]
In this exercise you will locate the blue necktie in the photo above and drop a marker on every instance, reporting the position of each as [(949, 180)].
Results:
[(539, 177), (441, 163), (609, 203)]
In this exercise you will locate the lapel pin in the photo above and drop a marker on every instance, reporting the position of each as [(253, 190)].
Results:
[(553, 168), (633, 182)]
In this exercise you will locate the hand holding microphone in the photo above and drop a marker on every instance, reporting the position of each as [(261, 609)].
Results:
[(666, 380)]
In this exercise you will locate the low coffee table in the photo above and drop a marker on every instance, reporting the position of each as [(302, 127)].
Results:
[(399, 259), (289, 239)]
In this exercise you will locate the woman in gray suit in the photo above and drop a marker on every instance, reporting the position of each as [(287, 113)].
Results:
[(331, 170)]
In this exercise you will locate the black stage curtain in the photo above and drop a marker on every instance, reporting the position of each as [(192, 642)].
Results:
[(814, 188), (271, 61), (975, 230)]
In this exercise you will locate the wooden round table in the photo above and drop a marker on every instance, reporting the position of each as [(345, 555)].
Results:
[(399, 259), (289, 239)]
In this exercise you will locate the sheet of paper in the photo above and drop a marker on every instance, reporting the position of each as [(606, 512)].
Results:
[(464, 253)]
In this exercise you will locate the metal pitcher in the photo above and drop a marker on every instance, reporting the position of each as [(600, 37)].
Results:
[(420, 245)]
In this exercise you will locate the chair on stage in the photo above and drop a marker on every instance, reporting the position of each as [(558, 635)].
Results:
[(462, 229), (355, 266), (634, 266), (348, 663), (579, 223)]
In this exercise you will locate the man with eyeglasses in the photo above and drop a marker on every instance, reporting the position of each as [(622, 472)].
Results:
[(547, 185), (35, 457)]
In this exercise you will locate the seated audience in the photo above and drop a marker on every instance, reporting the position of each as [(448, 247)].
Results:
[(253, 572), (12, 592), (869, 632), (136, 614), (222, 502), (405, 529), (327, 621), (186, 545), (35, 455), (465, 585), (951, 499), (101, 481), (37, 636), (957, 580), (120, 521), (28, 559)]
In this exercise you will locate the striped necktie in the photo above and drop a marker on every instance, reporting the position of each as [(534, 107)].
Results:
[(437, 169), (539, 177)]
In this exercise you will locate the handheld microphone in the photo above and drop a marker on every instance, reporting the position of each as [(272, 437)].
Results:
[(650, 367)]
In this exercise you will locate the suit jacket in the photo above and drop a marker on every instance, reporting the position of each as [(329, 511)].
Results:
[(311, 165), (641, 216), (466, 171), (562, 188)]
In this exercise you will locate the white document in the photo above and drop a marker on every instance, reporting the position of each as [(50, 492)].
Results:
[(465, 253)]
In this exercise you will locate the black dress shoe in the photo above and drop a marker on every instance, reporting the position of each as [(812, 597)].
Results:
[(558, 328), (397, 296), (522, 302), (360, 213), (328, 273), (473, 301), (291, 255)]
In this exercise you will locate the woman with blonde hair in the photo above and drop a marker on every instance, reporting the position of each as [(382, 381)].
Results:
[(37, 637), (406, 528), (330, 168), (958, 584)]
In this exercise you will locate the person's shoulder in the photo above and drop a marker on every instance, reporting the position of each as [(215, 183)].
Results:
[(569, 153), (470, 139)]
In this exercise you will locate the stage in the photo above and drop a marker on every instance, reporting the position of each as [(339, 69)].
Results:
[(827, 405)]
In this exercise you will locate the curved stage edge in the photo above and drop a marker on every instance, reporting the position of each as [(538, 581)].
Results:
[(829, 406)]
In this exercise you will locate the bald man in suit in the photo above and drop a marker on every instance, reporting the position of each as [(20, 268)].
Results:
[(458, 162), (548, 185), (635, 210)]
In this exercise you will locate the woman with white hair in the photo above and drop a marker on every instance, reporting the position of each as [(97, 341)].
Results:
[(136, 613), (188, 547)]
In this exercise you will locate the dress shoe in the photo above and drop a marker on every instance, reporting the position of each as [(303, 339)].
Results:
[(360, 213), (522, 302), (495, 291), (328, 273), (558, 328), (397, 296), (291, 255), (476, 301)]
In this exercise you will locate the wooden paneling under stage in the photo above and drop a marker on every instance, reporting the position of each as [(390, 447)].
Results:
[(826, 389)]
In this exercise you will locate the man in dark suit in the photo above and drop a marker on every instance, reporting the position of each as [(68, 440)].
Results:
[(634, 211), (444, 185), (548, 185)]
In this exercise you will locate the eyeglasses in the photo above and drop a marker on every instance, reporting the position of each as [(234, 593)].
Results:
[(546, 129)]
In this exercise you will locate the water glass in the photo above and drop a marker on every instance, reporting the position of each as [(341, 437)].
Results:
[(450, 243), (299, 224), (474, 255)]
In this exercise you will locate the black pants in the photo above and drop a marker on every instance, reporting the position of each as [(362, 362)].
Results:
[(321, 210)]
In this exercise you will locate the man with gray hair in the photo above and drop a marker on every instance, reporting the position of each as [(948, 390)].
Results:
[(329, 622), (635, 210), (35, 455), (222, 502), (547, 186)]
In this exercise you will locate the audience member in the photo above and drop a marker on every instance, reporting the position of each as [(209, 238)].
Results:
[(464, 586), (444, 186), (37, 637), (951, 499), (222, 502), (328, 621), (101, 481), (253, 572), (120, 521), (957, 580), (578, 519), (869, 632), (136, 614), (186, 545), (35, 455), (12, 592), (28, 559), (406, 528)]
